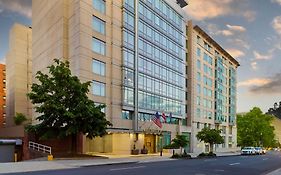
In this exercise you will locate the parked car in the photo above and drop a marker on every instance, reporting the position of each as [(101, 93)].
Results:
[(264, 150), (248, 151), (258, 150)]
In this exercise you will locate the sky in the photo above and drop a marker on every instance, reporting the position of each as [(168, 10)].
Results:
[(250, 30)]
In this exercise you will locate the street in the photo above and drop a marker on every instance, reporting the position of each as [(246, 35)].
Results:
[(232, 165)]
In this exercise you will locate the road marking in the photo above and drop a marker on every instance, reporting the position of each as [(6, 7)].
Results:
[(210, 160), (127, 168), (265, 159), (234, 164), (219, 170)]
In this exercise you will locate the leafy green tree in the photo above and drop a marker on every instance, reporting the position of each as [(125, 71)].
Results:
[(63, 106), (179, 142), (254, 129), (211, 136), (19, 118)]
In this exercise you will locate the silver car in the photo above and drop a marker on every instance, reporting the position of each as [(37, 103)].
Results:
[(258, 150), (248, 151)]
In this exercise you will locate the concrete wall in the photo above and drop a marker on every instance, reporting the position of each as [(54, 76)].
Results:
[(18, 69)]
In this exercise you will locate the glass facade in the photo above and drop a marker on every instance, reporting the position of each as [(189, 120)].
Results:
[(161, 58), (221, 91)]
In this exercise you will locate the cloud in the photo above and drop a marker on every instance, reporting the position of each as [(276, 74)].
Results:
[(231, 29), (235, 52), (236, 28), (250, 15), (254, 65), (260, 56), (22, 7), (276, 24), (273, 86), (239, 42), (276, 1), (203, 9), (254, 82)]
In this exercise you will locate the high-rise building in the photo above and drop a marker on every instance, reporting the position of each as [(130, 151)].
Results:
[(18, 68), (133, 51), (211, 89), (2, 95)]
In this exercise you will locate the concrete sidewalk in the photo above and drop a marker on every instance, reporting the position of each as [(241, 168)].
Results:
[(276, 172), (28, 166)]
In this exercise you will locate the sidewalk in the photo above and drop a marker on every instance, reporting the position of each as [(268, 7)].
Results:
[(276, 172), (28, 166)]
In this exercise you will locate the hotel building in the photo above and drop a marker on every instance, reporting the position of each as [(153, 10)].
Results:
[(133, 51), (211, 98)]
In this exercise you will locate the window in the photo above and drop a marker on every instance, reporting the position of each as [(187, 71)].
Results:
[(128, 58), (99, 5), (128, 77), (98, 88), (129, 19), (198, 52), (198, 64), (198, 76), (126, 115), (99, 25), (98, 46), (98, 67)]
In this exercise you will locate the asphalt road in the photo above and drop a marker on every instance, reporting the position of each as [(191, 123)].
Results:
[(233, 165)]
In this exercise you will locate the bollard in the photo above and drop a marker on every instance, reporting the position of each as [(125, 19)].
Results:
[(50, 157), (16, 157)]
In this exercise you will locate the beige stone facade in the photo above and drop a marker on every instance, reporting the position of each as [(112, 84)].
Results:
[(64, 29), (18, 72), (208, 105)]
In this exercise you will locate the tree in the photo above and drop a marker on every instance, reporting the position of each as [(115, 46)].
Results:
[(211, 136), (254, 129), (63, 106), (180, 141), (19, 118)]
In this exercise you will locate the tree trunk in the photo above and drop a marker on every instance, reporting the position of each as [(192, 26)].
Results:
[(211, 147)]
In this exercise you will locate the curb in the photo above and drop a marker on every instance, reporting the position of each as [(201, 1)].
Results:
[(115, 163)]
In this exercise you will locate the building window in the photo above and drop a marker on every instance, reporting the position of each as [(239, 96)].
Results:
[(98, 46), (98, 67), (126, 115), (98, 88), (199, 52), (99, 25), (99, 5)]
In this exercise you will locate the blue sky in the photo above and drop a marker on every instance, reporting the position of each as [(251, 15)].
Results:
[(250, 30)]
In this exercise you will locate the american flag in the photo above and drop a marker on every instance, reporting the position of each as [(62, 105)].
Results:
[(156, 120), (164, 117)]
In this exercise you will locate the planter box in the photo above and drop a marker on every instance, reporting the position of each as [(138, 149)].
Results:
[(135, 152), (144, 151)]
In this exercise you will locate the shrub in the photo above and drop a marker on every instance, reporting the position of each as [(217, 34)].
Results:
[(176, 156), (19, 118)]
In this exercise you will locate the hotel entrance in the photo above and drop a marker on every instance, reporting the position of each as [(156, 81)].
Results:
[(150, 143)]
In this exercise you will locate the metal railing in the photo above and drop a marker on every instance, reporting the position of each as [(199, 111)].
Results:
[(40, 147)]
